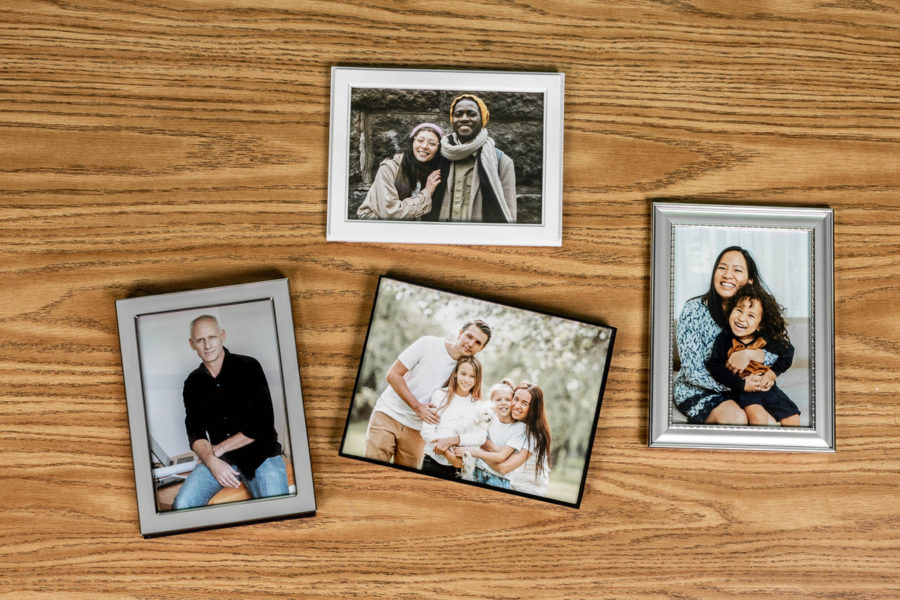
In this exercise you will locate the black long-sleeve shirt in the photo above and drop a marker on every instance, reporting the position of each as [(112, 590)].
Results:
[(236, 401)]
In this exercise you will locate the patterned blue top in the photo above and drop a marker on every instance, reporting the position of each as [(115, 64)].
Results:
[(696, 392)]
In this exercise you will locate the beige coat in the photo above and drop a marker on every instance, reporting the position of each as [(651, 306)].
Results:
[(383, 201)]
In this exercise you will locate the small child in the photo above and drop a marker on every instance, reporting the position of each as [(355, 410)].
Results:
[(505, 437), (755, 322)]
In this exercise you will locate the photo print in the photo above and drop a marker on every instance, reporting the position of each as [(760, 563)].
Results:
[(445, 157), (742, 318), (214, 403), (478, 392)]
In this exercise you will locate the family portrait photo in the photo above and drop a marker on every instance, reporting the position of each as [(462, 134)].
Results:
[(418, 155), (479, 392), (741, 307), (213, 397)]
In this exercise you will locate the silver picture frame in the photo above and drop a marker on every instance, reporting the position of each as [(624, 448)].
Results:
[(154, 334), (372, 113), (793, 248)]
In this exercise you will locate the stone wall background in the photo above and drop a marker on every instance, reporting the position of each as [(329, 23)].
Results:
[(380, 120)]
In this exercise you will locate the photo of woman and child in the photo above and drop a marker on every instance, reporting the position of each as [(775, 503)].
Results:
[(734, 345), (460, 405)]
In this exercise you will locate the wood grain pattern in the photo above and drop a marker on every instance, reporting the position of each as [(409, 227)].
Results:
[(164, 146)]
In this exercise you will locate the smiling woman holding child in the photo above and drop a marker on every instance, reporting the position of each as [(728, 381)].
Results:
[(517, 454), (505, 436), (697, 394)]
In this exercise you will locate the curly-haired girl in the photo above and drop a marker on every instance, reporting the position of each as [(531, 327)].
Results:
[(755, 321)]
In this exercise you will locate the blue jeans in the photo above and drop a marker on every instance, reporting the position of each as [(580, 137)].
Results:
[(200, 486), (485, 476)]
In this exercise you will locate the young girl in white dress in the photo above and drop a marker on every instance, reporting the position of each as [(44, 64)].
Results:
[(460, 407)]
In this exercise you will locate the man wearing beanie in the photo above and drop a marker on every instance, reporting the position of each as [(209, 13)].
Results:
[(480, 179)]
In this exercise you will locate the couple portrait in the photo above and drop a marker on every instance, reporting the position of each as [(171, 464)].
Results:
[(469, 390), (446, 156), (427, 156), (742, 331), (458, 176)]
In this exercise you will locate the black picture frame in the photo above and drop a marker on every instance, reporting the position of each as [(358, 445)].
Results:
[(521, 347)]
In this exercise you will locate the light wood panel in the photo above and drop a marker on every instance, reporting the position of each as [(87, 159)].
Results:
[(154, 147)]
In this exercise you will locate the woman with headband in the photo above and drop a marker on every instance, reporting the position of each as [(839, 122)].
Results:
[(480, 180), (405, 183)]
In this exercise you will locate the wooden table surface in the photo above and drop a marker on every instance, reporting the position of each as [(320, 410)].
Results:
[(167, 146)]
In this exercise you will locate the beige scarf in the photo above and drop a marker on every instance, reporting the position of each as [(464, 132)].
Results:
[(453, 151)]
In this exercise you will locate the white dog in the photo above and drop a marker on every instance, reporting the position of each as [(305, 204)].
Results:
[(479, 421)]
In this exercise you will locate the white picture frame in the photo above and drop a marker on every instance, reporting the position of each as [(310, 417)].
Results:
[(541, 226)]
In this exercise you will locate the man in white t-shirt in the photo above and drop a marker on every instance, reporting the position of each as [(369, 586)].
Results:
[(401, 409)]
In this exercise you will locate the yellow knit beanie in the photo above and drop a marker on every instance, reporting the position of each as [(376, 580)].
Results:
[(485, 114)]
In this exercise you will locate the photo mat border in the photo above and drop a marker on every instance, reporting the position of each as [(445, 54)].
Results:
[(662, 432), (341, 229), (593, 431), (300, 504)]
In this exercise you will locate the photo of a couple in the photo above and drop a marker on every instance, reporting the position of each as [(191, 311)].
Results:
[(429, 155), (741, 354), (422, 156), (476, 391)]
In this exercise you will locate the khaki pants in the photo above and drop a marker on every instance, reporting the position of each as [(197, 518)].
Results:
[(387, 437)]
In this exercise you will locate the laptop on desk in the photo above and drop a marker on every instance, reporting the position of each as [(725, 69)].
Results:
[(168, 470)]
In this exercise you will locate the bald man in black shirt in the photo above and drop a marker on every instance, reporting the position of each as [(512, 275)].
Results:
[(229, 421)]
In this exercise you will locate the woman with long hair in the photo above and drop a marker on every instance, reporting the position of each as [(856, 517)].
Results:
[(534, 474), (697, 394), (526, 468), (406, 182)]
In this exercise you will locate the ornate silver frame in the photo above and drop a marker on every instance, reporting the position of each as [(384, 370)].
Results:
[(819, 436)]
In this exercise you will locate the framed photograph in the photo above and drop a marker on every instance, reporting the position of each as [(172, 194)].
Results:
[(742, 328), (218, 434), (445, 157), (478, 392)]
